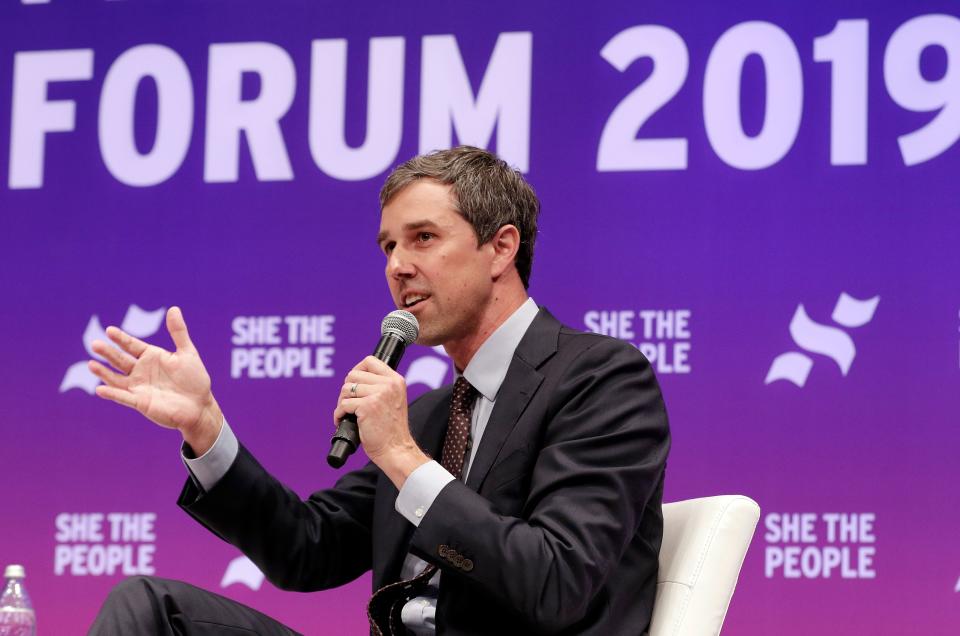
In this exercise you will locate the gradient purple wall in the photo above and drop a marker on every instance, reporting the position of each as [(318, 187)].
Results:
[(738, 249)]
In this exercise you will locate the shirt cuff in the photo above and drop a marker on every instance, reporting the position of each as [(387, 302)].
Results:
[(420, 489), (214, 464)]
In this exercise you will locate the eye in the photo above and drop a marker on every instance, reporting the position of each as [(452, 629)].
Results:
[(387, 247), (423, 237)]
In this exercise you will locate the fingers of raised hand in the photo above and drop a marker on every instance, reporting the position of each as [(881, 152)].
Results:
[(178, 329), (120, 396), (109, 377), (133, 346), (120, 360)]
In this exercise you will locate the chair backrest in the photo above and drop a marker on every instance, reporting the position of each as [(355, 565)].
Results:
[(704, 543)]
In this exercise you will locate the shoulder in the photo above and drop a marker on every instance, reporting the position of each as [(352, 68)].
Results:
[(587, 347), (583, 340), (549, 341), (587, 363), (596, 382)]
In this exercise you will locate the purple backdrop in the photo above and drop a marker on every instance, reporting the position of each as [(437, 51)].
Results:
[(792, 215)]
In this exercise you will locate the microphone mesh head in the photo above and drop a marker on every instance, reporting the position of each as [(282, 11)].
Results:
[(402, 324)]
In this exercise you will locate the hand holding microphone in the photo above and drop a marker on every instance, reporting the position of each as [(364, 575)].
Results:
[(374, 391)]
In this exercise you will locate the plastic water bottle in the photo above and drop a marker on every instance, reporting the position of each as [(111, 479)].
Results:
[(16, 612)]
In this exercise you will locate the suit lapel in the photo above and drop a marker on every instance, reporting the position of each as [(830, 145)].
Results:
[(520, 384)]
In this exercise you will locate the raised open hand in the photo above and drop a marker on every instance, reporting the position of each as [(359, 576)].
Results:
[(169, 388)]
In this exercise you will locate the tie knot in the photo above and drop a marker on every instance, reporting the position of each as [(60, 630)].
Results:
[(463, 395)]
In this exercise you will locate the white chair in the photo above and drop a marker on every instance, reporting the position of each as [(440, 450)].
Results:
[(704, 543)]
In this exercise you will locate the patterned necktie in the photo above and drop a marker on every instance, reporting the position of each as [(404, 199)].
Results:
[(385, 606), (457, 440)]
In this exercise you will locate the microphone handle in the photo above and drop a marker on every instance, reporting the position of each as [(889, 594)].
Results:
[(347, 438), (390, 350)]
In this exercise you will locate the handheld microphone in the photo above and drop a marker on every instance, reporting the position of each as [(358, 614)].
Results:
[(397, 330)]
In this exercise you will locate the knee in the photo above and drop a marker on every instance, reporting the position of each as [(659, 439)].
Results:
[(130, 608), (142, 593), (135, 586)]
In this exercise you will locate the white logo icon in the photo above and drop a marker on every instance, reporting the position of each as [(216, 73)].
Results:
[(826, 340), (138, 322), (242, 570), (429, 370)]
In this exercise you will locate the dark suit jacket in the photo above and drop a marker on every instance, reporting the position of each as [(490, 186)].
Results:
[(556, 531)]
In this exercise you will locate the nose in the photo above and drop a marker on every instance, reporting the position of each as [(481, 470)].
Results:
[(400, 265)]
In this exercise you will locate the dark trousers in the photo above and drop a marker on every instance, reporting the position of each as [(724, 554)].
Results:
[(145, 605)]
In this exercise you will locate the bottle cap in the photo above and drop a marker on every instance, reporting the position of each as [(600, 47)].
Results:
[(15, 572)]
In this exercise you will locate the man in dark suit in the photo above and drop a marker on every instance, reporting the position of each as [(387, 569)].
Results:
[(543, 513)]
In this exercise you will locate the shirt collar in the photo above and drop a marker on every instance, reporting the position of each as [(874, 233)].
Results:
[(489, 364)]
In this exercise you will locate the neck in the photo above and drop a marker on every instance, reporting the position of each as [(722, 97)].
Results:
[(501, 307)]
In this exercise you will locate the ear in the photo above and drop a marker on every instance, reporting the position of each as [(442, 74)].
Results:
[(505, 244)]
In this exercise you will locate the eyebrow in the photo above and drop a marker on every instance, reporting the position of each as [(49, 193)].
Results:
[(408, 227)]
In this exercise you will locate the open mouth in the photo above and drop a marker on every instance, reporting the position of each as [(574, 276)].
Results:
[(412, 300)]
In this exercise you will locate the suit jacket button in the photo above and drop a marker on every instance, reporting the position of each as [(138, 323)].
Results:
[(467, 565), (443, 550)]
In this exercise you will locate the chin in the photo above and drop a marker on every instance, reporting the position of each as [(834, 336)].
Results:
[(429, 339), (432, 335)]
